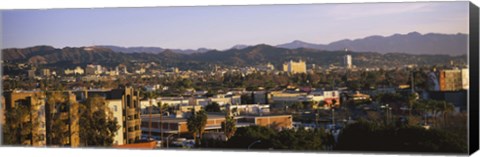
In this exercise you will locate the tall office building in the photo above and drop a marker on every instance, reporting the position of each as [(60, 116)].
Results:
[(295, 67), (347, 61)]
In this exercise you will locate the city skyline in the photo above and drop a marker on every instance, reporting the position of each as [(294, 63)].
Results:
[(221, 27)]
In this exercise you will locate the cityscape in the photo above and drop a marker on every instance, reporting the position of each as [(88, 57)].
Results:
[(400, 92)]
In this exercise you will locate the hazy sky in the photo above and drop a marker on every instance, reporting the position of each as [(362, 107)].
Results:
[(221, 27)]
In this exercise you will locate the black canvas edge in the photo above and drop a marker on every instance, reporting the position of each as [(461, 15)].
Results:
[(473, 110)]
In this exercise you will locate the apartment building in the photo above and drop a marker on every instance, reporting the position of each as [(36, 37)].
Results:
[(295, 67), (35, 102), (63, 106), (451, 80), (124, 105)]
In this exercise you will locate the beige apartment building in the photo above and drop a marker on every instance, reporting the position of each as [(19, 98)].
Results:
[(124, 105), (295, 67), (35, 101)]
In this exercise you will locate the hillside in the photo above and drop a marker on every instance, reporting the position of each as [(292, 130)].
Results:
[(411, 43), (249, 56)]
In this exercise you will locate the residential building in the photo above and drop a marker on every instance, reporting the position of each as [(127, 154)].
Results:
[(295, 67), (250, 109), (65, 109), (77, 71), (451, 80), (266, 67), (45, 72), (260, 97), (127, 101), (35, 101), (93, 69), (465, 79), (178, 126), (116, 109)]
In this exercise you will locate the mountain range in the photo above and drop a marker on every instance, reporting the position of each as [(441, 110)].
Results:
[(139, 49), (411, 43), (70, 57)]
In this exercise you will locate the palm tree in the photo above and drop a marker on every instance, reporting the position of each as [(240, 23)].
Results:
[(161, 109), (150, 96), (196, 124), (229, 125)]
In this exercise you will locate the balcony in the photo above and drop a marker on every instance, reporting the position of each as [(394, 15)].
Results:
[(134, 122), (131, 111), (131, 135)]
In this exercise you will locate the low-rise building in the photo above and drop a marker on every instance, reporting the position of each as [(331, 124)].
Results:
[(178, 126)]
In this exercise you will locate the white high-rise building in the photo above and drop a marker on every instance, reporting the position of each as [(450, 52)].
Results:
[(347, 60)]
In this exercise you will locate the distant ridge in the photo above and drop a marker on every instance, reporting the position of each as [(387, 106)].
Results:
[(248, 56), (411, 43), (141, 49)]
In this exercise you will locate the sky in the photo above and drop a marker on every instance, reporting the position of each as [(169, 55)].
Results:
[(221, 27)]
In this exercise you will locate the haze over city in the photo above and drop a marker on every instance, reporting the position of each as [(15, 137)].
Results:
[(222, 27)]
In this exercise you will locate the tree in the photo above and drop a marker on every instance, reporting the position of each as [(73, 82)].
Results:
[(298, 106), (98, 125), (229, 126), (56, 131), (212, 107), (446, 108), (196, 124), (21, 124), (161, 109), (151, 96), (365, 136), (412, 98), (14, 129)]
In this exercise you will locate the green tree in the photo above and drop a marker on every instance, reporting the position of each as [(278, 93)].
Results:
[(161, 109), (196, 124), (151, 96), (97, 125), (365, 136), (229, 126), (15, 129), (56, 126)]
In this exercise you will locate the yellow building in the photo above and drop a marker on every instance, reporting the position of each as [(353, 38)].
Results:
[(450, 80), (35, 102), (124, 105), (63, 106), (295, 67)]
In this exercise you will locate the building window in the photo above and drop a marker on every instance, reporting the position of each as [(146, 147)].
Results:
[(115, 108)]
